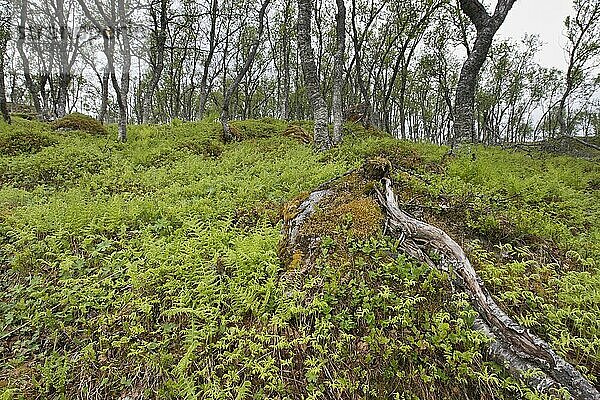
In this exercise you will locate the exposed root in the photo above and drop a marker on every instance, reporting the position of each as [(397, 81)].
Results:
[(518, 349), (522, 352), (296, 132)]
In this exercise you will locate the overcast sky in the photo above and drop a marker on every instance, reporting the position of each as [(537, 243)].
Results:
[(544, 18)]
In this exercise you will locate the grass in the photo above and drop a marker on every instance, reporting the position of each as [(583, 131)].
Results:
[(149, 269)]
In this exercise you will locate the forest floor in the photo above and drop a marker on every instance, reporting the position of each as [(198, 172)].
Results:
[(151, 269)]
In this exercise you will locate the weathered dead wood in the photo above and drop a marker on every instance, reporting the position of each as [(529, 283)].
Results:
[(588, 144), (296, 132), (518, 349), (545, 144), (523, 353)]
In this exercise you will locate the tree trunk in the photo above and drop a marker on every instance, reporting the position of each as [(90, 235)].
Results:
[(3, 105), (29, 83), (61, 103), (207, 62), (104, 82), (287, 48), (64, 78), (487, 26), (338, 73), (311, 77), (125, 71), (157, 57), (227, 136)]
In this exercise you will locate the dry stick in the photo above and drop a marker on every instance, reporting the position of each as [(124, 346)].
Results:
[(520, 350)]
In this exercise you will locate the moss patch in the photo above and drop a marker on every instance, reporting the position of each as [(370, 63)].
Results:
[(348, 214), (18, 141), (79, 122)]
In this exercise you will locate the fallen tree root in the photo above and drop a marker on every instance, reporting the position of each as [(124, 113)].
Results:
[(513, 346), (588, 144)]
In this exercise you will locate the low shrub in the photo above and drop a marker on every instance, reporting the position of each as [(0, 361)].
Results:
[(202, 146), (258, 128), (22, 141), (52, 166), (79, 122)]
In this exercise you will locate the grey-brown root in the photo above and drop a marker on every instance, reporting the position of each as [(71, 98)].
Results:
[(513, 346)]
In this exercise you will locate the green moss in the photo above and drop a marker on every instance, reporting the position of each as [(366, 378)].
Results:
[(79, 122), (359, 218), (202, 146), (16, 140)]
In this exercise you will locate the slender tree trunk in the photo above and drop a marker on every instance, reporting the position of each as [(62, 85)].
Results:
[(227, 136), (487, 26), (104, 82), (123, 115), (338, 73), (157, 59), (109, 49), (3, 105), (464, 123), (287, 48), (358, 41), (29, 82), (61, 103), (64, 78), (311, 76), (208, 60)]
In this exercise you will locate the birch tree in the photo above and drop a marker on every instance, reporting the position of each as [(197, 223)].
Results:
[(227, 135), (486, 26), (5, 16), (112, 22), (323, 141), (338, 72)]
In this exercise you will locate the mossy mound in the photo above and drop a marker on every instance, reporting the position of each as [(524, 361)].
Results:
[(256, 128), (79, 122), (379, 317), (19, 141), (202, 146), (348, 212)]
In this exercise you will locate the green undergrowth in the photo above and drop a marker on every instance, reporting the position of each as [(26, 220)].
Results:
[(79, 122), (149, 269)]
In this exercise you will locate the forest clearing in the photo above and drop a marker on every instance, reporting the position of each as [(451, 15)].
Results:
[(300, 199)]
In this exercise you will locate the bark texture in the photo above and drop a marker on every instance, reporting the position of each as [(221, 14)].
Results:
[(3, 105), (486, 26), (338, 75), (323, 140)]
